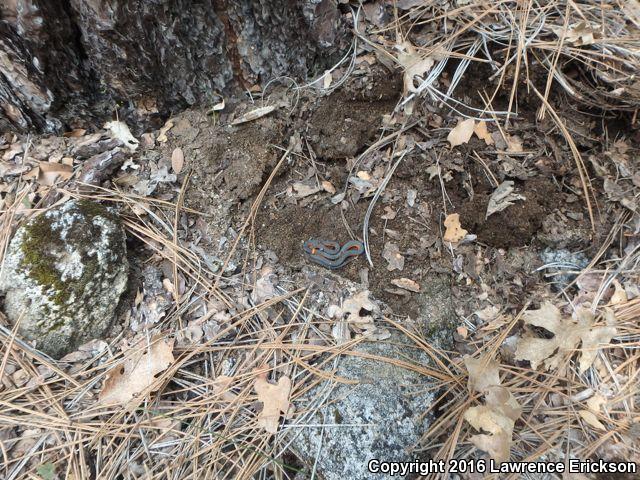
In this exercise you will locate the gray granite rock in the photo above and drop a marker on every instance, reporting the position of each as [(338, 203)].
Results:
[(381, 417), (64, 273), (561, 266)]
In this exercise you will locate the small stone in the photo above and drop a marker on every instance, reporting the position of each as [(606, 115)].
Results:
[(64, 273)]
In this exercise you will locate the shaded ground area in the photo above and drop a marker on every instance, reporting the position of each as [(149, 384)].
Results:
[(229, 165)]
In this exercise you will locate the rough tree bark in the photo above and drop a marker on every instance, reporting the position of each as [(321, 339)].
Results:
[(64, 61)]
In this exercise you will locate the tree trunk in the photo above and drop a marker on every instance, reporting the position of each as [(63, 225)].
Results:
[(63, 62)]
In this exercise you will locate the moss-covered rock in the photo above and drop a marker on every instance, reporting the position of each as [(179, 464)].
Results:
[(63, 276)]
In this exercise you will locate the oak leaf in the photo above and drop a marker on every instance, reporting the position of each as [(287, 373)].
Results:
[(275, 400), (137, 372)]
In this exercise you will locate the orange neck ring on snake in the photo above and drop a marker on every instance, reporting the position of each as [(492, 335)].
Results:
[(330, 254)]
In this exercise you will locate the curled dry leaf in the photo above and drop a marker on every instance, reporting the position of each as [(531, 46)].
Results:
[(461, 133), (137, 373), (75, 133), (121, 131), (406, 284), (162, 135), (482, 133), (328, 187), (177, 160), (414, 64), (253, 115), (218, 106), (619, 295), (275, 400), (454, 231), (502, 197), (592, 419)]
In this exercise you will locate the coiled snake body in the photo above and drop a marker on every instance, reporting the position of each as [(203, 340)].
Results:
[(330, 254)]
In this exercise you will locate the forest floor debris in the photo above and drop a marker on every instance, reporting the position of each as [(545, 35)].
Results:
[(523, 223)]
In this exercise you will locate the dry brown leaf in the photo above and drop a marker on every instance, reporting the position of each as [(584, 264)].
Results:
[(498, 445), (498, 417), (592, 419), (482, 133), (328, 187), (483, 373), (355, 305), (275, 399), (514, 144), (596, 401), (162, 135), (168, 285), (303, 189), (406, 284), (414, 64), (501, 198), (389, 213), (619, 295), (221, 385), (13, 150), (461, 133), (580, 34), (253, 115), (568, 334), (137, 373), (462, 331), (177, 160), (50, 173), (454, 232), (77, 132), (391, 253), (327, 78), (499, 413)]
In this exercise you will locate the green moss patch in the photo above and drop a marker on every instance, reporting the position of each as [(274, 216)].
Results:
[(41, 246)]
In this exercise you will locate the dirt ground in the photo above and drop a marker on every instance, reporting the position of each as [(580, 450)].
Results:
[(339, 127)]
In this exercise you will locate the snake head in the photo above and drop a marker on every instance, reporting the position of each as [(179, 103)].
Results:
[(310, 246)]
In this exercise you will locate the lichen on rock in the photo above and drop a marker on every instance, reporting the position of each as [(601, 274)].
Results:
[(382, 417), (63, 275)]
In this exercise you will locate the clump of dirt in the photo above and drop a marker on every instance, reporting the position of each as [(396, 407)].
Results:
[(236, 159), (349, 118), (518, 224)]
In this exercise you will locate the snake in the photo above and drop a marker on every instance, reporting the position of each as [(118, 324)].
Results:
[(330, 254)]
